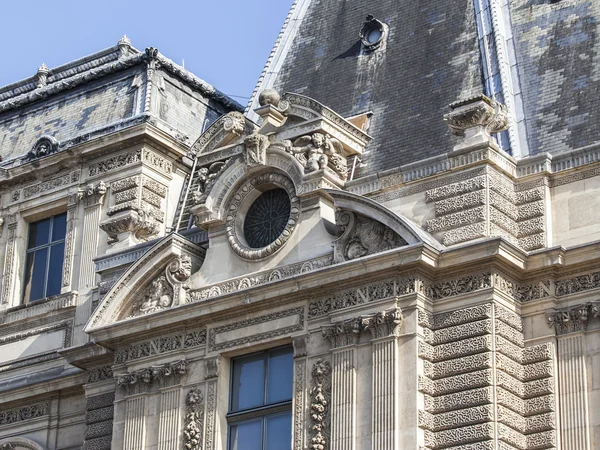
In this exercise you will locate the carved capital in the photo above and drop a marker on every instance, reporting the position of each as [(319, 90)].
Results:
[(384, 323), (133, 381), (92, 195), (343, 333), (478, 114), (573, 319), (212, 367)]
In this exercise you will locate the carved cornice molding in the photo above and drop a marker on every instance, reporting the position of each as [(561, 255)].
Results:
[(573, 319)]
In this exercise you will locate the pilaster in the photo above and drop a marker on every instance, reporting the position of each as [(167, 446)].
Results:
[(9, 260), (384, 328), (299, 409)]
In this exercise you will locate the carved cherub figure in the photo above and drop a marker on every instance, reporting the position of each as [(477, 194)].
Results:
[(313, 149), (157, 297)]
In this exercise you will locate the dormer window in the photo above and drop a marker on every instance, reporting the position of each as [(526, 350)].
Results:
[(373, 33)]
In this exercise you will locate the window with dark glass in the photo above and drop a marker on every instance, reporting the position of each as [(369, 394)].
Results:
[(260, 407), (44, 261)]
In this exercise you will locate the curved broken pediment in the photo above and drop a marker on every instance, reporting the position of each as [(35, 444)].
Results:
[(399, 225), (225, 131), (156, 282), (19, 443)]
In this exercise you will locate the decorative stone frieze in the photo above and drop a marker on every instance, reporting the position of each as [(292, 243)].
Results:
[(320, 395), (574, 318), (50, 185), (20, 414), (163, 344), (115, 162), (193, 428), (458, 286), (99, 374), (576, 284)]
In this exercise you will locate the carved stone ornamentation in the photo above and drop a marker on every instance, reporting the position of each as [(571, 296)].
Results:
[(206, 177), (316, 152), (383, 324), (234, 122), (212, 367), (44, 146), (158, 296), (255, 149), (141, 222), (149, 375), (343, 333), (476, 115), (319, 406), (180, 268), (573, 319), (300, 344), (42, 76), (361, 236), (194, 420)]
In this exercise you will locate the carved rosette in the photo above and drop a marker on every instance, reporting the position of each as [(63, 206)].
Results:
[(481, 113), (384, 323), (319, 406), (194, 420), (361, 236), (343, 333)]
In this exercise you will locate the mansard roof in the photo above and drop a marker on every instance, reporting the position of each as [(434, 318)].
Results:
[(101, 93)]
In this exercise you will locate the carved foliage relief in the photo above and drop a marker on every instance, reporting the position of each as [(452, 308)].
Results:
[(320, 395)]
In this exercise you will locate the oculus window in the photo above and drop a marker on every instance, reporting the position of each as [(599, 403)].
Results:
[(260, 409), (45, 255), (267, 217)]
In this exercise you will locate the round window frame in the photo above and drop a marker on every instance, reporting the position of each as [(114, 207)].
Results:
[(240, 203), (372, 24)]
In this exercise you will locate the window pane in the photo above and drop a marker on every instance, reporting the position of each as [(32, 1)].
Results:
[(57, 252), (248, 382), (39, 233), (280, 376), (246, 435), (278, 431), (59, 227), (35, 271)]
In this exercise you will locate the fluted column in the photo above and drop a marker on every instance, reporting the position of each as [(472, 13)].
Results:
[(168, 421), (91, 218), (570, 325), (384, 327), (343, 337), (135, 426)]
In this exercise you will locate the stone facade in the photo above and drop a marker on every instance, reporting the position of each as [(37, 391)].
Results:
[(434, 300)]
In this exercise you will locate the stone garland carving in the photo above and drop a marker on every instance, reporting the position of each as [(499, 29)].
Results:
[(319, 407), (147, 376), (237, 203), (194, 420), (163, 292), (317, 152), (24, 413), (573, 319), (280, 273), (160, 345), (361, 236), (69, 242)]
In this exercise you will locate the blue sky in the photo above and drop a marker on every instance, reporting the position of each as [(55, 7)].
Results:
[(224, 42)]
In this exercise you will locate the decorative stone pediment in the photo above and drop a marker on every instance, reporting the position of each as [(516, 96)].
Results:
[(226, 131), (19, 443), (156, 282)]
